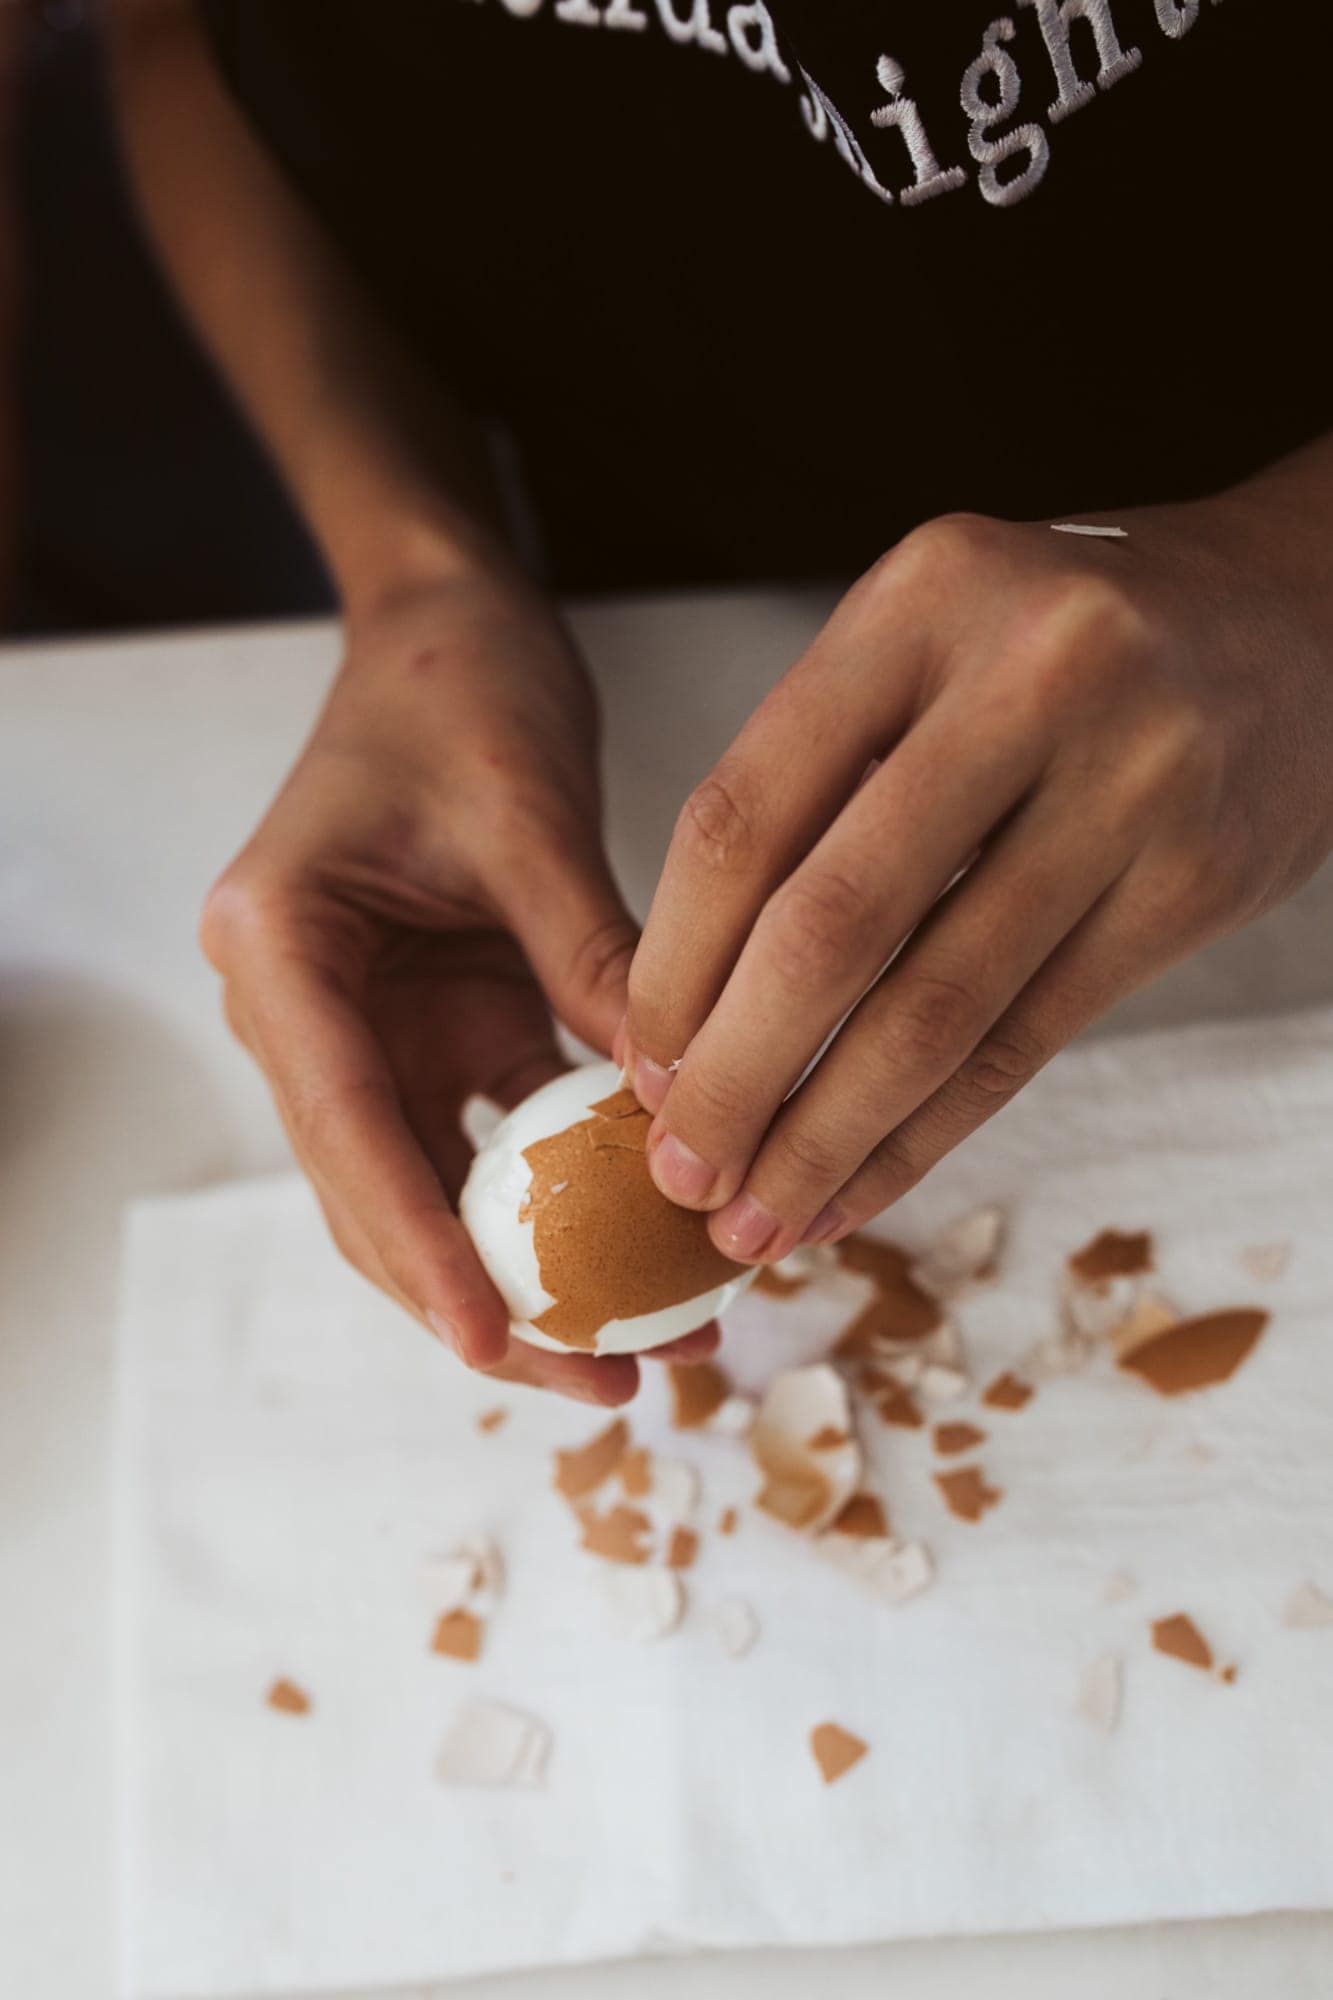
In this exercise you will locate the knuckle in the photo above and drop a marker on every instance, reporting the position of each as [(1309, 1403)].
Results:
[(891, 1171), (1084, 632), (1003, 1063), (717, 823), (802, 1154), (602, 956), (234, 911), (811, 925), (712, 1098), (936, 1021), (945, 546)]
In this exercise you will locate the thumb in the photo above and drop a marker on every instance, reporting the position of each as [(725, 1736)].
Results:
[(579, 938)]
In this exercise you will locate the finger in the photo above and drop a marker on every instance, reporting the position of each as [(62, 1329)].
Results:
[(1101, 962), (337, 1099), (920, 1023), (584, 1377), (826, 933), (691, 1347), (566, 912), (742, 831)]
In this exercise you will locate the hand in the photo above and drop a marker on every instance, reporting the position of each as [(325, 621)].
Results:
[(1125, 744), (436, 846)]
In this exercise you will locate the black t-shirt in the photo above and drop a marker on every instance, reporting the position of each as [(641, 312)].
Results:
[(755, 288)]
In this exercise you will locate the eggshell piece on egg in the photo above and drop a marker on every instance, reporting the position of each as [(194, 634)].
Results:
[(574, 1233)]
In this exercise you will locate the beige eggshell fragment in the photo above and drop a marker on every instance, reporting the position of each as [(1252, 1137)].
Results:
[(1308, 1608), (493, 1746), (835, 1750), (900, 1310), (863, 1515), (1265, 1261), (635, 1473), (952, 1440), (1112, 1253), (1100, 1692), (1066, 1353), (966, 1493), (491, 1420), (1180, 1639), (728, 1521), (805, 1488), (736, 1626), (469, 1576), (1149, 1316), (642, 1604), (893, 1571), (966, 1253), (899, 1408), (286, 1698), (734, 1417), (1008, 1392), (682, 1548), (942, 1384), (620, 1535)]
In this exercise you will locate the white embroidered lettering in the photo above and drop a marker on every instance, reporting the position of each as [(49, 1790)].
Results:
[(697, 27), (524, 9), (580, 13), (1176, 20), (985, 113), (1055, 18), (901, 113), (624, 14), (755, 41)]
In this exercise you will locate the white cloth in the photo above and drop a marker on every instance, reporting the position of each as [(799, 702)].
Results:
[(293, 1450)]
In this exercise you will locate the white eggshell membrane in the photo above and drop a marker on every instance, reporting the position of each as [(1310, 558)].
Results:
[(494, 1193)]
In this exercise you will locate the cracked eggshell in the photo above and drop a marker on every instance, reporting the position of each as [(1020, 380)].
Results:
[(805, 1484), (496, 1191)]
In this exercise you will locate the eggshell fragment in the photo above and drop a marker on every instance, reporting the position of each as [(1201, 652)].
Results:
[(900, 1310), (1113, 1253), (1308, 1608), (805, 1488), (1180, 1638), (458, 1635), (1008, 1392), (1100, 1691), (863, 1515), (942, 1384), (897, 1407), (952, 1440), (1265, 1261), (734, 1417), (288, 1699), (835, 1750), (1195, 1353), (642, 1604), (582, 1470), (736, 1626), (966, 1493), (682, 1548), (697, 1392), (727, 1521), (491, 1420), (894, 1571), (491, 1745), (620, 1535), (966, 1253)]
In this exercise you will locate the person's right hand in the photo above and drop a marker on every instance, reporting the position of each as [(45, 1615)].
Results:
[(431, 876)]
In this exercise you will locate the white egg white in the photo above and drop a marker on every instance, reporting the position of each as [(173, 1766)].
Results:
[(494, 1192)]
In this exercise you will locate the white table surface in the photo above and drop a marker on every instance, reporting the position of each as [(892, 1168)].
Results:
[(128, 773)]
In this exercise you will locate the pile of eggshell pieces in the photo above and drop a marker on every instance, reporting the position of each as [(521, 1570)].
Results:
[(639, 1513)]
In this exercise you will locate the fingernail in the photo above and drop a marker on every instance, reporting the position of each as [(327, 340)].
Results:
[(447, 1332), (651, 1083), (828, 1222), (679, 1171), (744, 1226), (619, 1044)]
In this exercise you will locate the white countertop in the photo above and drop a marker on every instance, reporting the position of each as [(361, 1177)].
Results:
[(129, 771)]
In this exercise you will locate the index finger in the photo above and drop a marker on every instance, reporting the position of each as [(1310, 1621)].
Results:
[(758, 813)]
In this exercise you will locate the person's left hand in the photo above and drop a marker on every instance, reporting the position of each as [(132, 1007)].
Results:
[(1125, 744)]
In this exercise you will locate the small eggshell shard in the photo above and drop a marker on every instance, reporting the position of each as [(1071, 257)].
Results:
[(1149, 1316), (863, 1515), (898, 1407), (1197, 1353), (1091, 529), (891, 1570), (941, 1383), (803, 1266), (1100, 1692), (583, 1469), (698, 1392), (967, 1253), (733, 1417), (728, 1521), (492, 1420), (835, 1750), (458, 1635), (469, 1576), (1112, 1253), (493, 1746), (620, 1535), (805, 1488), (1180, 1639), (952, 1440), (966, 1493), (1265, 1261), (900, 1310), (1308, 1609), (682, 1548), (1007, 1392), (1066, 1353), (736, 1626), (642, 1604), (286, 1698), (635, 1473), (575, 1235)]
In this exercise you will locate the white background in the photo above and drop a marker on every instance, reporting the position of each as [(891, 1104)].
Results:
[(128, 773)]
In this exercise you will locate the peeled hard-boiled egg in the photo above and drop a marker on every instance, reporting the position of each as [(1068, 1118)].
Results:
[(582, 1247)]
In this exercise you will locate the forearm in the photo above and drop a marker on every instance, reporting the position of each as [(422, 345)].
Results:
[(388, 480)]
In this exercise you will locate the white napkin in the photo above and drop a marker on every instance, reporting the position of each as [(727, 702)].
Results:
[(293, 1450)]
